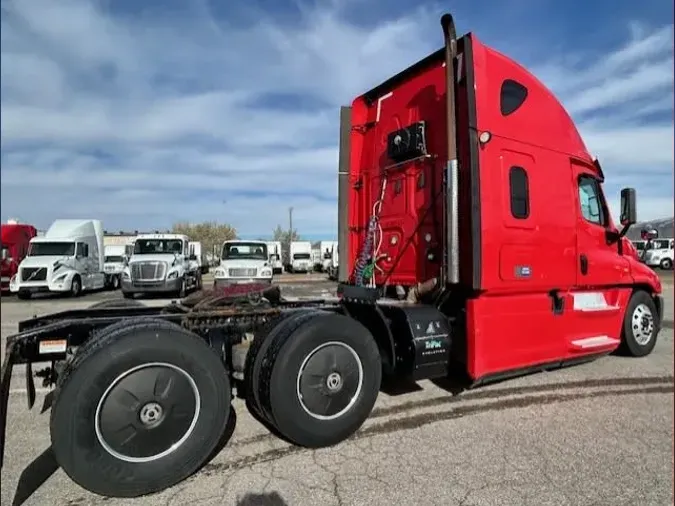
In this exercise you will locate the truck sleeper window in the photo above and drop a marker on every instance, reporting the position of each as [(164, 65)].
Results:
[(590, 200), (511, 97)]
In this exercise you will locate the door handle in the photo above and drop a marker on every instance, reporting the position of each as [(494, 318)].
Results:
[(583, 264)]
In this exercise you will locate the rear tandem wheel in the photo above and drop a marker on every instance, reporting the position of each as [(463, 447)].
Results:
[(314, 378), (141, 407)]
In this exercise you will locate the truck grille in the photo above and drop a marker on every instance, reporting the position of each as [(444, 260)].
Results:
[(148, 271), (242, 273), (34, 273)]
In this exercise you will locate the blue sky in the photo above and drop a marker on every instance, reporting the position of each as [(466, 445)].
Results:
[(146, 113)]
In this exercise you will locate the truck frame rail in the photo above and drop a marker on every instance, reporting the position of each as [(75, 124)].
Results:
[(55, 337)]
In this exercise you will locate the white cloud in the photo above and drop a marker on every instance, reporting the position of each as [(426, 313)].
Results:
[(147, 119)]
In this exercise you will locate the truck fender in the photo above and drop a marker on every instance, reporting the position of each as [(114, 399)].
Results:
[(372, 317)]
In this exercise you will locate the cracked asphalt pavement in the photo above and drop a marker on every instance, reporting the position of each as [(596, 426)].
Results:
[(594, 434)]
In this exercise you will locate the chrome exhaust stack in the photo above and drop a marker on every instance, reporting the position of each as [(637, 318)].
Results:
[(451, 257), (343, 193)]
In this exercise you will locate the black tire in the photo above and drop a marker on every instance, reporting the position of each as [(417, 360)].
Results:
[(24, 294), (128, 295), (666, 264), (640, 326), (261, 340), (294, 342), (115, 282), (114, 351), (116, 303), (76, 286)]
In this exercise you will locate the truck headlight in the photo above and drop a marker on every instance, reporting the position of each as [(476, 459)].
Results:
[(125, 274), (220, 273), (172, 275), (265, 272)]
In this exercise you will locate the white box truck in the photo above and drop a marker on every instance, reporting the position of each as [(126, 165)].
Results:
[(274, 253), (243, 262), (68, 258), (301, 256), (161, 263)]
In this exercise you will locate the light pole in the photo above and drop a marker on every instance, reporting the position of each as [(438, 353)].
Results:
[(290, 223)]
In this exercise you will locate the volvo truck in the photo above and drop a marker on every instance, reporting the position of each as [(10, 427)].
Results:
[(454, 175), (68, 259)]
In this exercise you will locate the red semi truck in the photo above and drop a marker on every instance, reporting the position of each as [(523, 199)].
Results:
[(454, 175), (15, 240)]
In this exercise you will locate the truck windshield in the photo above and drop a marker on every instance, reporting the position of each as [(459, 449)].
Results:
[(158, 246), (244, 250), (44, 249), (301, 256), (116, 259), (661, 244), (640, 246)]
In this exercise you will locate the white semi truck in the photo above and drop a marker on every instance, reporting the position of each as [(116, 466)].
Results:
[(202, 262), (243, 262), (660, 254), (301, 256), (274, 253), (328, 255), (68, 258), (115, 260), (161, 263)]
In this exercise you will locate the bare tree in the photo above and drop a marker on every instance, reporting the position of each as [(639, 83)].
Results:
[(210, 234), (285, 237)]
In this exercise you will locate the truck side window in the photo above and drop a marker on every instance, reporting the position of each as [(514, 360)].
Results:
[(82, 250), (520, 193), (512, 96), (590, 200)]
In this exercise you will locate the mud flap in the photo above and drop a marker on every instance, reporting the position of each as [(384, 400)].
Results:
[(7, 367)]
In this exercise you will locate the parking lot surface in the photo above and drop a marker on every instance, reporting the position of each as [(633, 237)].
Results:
[(595, 434)]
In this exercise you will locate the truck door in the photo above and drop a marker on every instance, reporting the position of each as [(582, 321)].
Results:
[(83, 264), (599, 263), (597, 299)]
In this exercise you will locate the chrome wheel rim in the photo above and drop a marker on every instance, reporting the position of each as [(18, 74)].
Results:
[(642, 324)]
